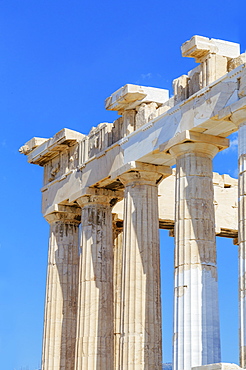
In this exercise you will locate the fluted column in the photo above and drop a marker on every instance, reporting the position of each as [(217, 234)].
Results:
[(117, 282), (61, 290), (239, 118), (140, 343), (196, 339), (95, 331)]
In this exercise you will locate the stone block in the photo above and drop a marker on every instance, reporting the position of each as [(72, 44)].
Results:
[(180, 88), (236, 62), (195, 83), (219, 366), (242, 85), (198, 46), (145, 112), (31, 145), (130, 96)]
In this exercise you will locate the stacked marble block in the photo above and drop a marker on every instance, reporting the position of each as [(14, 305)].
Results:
[(103, 306)]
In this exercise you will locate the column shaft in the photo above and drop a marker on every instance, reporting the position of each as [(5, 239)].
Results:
[(118, 241), (61, 290), (196, 315), (242, 240), (140, 346), (95, 338)]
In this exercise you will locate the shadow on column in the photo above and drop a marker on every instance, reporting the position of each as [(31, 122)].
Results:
[(200, 253), (99, 238), (66, 259), (145, 217)]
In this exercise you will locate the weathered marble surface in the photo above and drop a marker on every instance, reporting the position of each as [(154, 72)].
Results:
[(209, 103), (208, 111), (60, 321), (196, 338), (239, 118), (95, 320), (140, 321)]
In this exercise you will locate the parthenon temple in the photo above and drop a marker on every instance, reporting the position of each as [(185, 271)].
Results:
[(105, 196)]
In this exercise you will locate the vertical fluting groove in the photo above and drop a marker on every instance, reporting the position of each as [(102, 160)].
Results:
[(53, 307), (46, 349), (60, 313), (46, 361), (123, 283), (64, 355), (117, 291), (140, 341), (242, 239), (195, 322)]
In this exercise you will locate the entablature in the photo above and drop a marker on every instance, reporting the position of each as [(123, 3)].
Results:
[(149, 125)]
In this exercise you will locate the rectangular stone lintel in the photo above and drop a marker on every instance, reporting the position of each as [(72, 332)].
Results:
[(164, 171), (186, 136)]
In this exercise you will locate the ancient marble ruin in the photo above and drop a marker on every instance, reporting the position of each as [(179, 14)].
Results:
[(115, 187)]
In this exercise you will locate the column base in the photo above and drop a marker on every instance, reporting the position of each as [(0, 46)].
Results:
[(219, 366)]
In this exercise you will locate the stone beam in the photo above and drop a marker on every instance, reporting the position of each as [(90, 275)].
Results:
[(225, 189)]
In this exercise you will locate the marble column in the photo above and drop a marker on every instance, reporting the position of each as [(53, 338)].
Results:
[(95, 329), (239, 118), (118, 241), (61, 289), (196, 338), (140, 342)]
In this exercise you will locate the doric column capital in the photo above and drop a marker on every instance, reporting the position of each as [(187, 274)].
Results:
[(239, 117), (191, 142), (204, 149), (140, 178), (145, 174), (63, 213), (101, 196)]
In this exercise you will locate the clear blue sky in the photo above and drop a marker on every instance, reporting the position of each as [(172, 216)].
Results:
[(59, 60)]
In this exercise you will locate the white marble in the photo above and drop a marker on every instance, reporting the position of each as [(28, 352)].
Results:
[(117, 280), (242, 239), (95, 322), (61, 290), (119, 320), (140, 342), (196, 339)]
